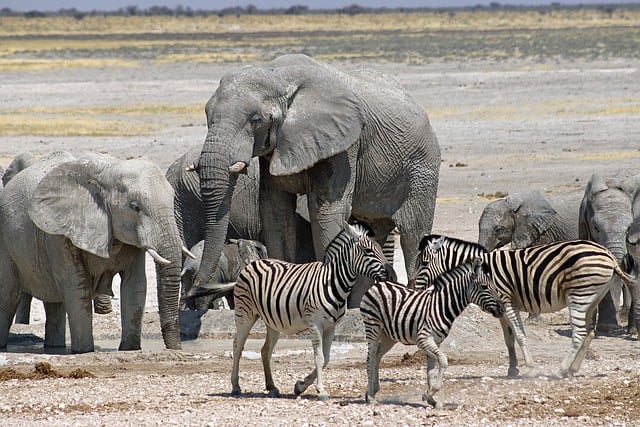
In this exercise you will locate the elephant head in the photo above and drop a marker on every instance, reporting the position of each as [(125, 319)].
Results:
[(98, 202), (606, 211), (294, 112), (20, 162)]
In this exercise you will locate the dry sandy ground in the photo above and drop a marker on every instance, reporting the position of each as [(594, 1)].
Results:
[(503, 127)]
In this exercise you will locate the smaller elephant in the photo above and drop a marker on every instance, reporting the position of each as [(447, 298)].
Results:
[(606, 215), (101, 303), (529, 218), (235, 256), (633, 258)]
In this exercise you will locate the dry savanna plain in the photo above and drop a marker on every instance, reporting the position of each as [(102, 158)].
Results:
[(519, 100)]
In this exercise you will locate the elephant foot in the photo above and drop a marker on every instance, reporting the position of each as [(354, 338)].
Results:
[(608, 330), (274, 392)]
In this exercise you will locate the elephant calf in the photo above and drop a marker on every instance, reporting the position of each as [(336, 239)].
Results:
[(235, 256)]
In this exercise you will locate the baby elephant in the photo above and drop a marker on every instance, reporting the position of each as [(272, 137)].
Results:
[(235, 256)]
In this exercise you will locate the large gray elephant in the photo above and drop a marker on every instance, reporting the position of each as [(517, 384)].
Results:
[(529, 218), (355, 143), (69, 225), (606, 214)]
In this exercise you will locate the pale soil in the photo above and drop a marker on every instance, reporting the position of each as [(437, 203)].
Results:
[(503, 127)]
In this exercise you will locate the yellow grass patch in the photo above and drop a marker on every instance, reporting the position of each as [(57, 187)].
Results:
[(8, 64), (210, 57), (23, 124)]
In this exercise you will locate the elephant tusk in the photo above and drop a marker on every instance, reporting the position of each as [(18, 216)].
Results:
[(237, 167), (156, 256), (188, 253)]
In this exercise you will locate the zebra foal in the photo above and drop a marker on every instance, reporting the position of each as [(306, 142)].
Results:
[(394, 313), (540, 279), (293, 298)]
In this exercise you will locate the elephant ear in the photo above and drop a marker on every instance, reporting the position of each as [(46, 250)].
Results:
[(324, 118), (69, 201), (251, 250), (541, 214)]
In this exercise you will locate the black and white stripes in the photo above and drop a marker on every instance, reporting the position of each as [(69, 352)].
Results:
[(393, 313), (292, 298)]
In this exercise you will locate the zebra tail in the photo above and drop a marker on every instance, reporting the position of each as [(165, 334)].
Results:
[(627, 270)]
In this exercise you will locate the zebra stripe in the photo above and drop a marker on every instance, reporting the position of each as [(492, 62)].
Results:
[(544, 279), (291, 298), (393, 313)]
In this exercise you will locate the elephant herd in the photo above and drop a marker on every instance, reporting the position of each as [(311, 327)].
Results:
[(293, 149)]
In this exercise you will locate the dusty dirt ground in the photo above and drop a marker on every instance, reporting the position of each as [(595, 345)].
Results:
[(503, 127)]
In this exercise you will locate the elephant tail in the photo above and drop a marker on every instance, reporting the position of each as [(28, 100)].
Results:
[(217, 290)]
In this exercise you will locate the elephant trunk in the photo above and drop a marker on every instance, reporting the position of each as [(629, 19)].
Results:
[(168, 281), (217, 183)]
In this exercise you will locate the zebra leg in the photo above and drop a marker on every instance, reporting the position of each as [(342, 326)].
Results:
[(327, 340), (266, 352), (509, 340), (512, 316), (582, 335), (434, 378), (244, 323), (316, 343), (377, 348)]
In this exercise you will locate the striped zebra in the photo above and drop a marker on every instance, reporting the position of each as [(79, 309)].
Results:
[(543, 279), (394, 313), (292, 298)]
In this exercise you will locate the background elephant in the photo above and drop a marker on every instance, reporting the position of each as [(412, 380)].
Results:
[(69, 225), (355, 143), (244, 219), (606, 215), (235, 256), (529, 218), (101, 303), (633, 251)]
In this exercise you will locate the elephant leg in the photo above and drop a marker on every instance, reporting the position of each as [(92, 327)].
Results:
[(55, 326), (633, 325), (265, 353), (133, 294), (10, 291), (102, 304), (607, 316), (23, 312)]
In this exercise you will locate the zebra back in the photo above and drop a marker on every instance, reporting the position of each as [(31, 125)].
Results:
[(439, 254), (403, 312)]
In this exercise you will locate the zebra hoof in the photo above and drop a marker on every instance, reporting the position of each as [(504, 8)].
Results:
[(513, 372), (236, 392), (299, 388), (323, 397), (274, 393)]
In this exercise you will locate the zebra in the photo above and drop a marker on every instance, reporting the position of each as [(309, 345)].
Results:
[(394, 313), (292, 298), (543, 279)]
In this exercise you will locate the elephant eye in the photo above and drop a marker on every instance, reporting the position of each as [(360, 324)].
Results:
[(134, 206), (255, 120)]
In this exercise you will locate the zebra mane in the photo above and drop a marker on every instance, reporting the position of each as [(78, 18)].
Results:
[(428, 238), (454, 274), (336, 243)]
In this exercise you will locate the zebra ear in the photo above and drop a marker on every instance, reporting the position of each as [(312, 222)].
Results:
[(436, 245), (477, 266)]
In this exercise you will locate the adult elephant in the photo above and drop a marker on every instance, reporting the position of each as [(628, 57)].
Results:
[(606, 214), (69, 225), (633, 250), (101, 302), (355, 143), (529, 218)]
